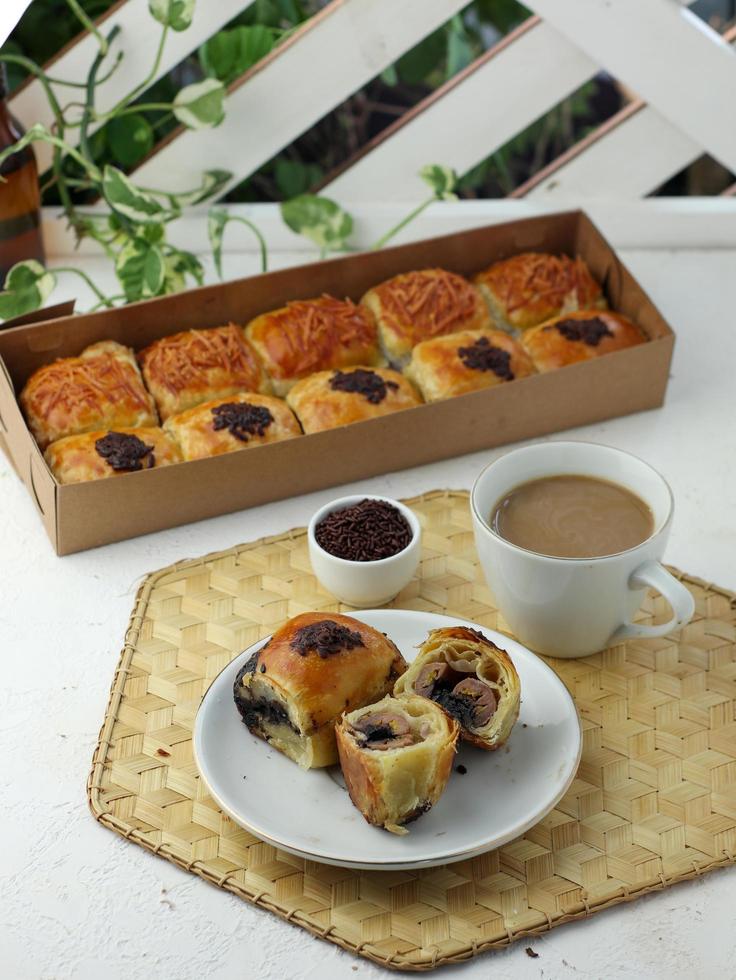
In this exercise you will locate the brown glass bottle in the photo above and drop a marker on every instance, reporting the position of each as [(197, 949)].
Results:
[(20, 197)]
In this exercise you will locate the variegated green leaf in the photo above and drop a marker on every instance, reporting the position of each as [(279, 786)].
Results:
[(201, 105), (318, 218), (176, 14), (27, 287), (442, 180), (124, 197)]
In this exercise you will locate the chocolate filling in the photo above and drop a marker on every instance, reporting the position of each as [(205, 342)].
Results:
[(241, 419), (125, 452), (461, 707), (325, 638), (372, 386), (483, 356), (417, 812), (591, 331)]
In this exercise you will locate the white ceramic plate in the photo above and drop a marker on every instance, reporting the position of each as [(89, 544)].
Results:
[(310, 814)]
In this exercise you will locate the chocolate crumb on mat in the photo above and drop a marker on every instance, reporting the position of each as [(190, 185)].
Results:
[(530, 952), (367, 531), (461, 769)]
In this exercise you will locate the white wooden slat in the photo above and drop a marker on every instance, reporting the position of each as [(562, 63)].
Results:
[(138, 39), (637, 133), (343, 47), (629, 160), (681, 222), (670, 57), (472, 116), (11, 12)]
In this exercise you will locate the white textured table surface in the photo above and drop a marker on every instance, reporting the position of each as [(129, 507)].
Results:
[(76, 901)]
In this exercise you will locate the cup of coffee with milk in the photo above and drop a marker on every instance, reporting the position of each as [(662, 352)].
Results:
[(570, 535)]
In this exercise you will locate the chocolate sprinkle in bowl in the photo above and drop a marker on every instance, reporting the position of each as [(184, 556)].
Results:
[(364, 548)]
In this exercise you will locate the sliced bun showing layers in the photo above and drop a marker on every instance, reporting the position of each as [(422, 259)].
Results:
[(396, 757), (293, 690), (472, 679)]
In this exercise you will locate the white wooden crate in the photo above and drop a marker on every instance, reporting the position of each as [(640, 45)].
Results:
[(682, 71)]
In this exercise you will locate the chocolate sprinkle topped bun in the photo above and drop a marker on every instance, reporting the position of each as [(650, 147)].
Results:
[(293, 690), (579, 337), (232, 423), (331, 398), (107, 453), (472, 679), (467, 361), (396, 757)]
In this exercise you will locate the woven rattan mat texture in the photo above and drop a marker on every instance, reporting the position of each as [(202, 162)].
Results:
[(654, 800)]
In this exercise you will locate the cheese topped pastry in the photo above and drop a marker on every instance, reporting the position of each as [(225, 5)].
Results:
[(188, 368), (312, 335), (532, 287), (416, 306), (331, 398), (293, 690), (396, 757), (234, 422), (579, 337), (466, 361), (101, 387), (98, 455)]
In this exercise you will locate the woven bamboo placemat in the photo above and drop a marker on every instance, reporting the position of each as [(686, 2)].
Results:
[(654, 801)]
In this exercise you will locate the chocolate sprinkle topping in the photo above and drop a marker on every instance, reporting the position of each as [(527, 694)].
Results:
[(326, 638), (366, 531), (591, 331), (125, 452), (483, 356), (241, 419), (367, 383)]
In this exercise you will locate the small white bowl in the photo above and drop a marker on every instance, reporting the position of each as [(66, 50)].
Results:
[(365, 583)]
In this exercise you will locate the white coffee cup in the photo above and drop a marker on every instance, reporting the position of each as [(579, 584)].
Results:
[(571, 607)]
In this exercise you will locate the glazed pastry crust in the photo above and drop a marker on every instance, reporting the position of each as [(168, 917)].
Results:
[(318, 406), (549, 348), (445, 367), (101, 387), (532, 287), (472, 655), (185, 369), (313, 335), (75, 459), (392, 787), (417, 306), (197, 437), (310, 691)]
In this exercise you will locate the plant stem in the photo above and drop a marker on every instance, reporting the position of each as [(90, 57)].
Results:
[(150, 77), (137, 107), (402, 224), (261, 240), (104, 300), (89, 108), (89, 24)]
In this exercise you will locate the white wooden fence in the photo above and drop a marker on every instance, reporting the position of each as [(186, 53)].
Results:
[(682, 71)]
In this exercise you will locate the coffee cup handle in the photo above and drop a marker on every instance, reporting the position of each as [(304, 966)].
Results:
[(652, 574)]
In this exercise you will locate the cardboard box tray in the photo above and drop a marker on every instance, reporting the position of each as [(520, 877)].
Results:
[(86, 515)]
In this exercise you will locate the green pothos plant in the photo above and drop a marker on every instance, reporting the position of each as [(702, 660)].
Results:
[(132, 223)]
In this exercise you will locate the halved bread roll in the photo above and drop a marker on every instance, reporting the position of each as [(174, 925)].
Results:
[(396, 756), (293, 690), (472, 679)]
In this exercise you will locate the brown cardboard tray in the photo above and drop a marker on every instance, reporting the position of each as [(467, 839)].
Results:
[(86, 515)]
